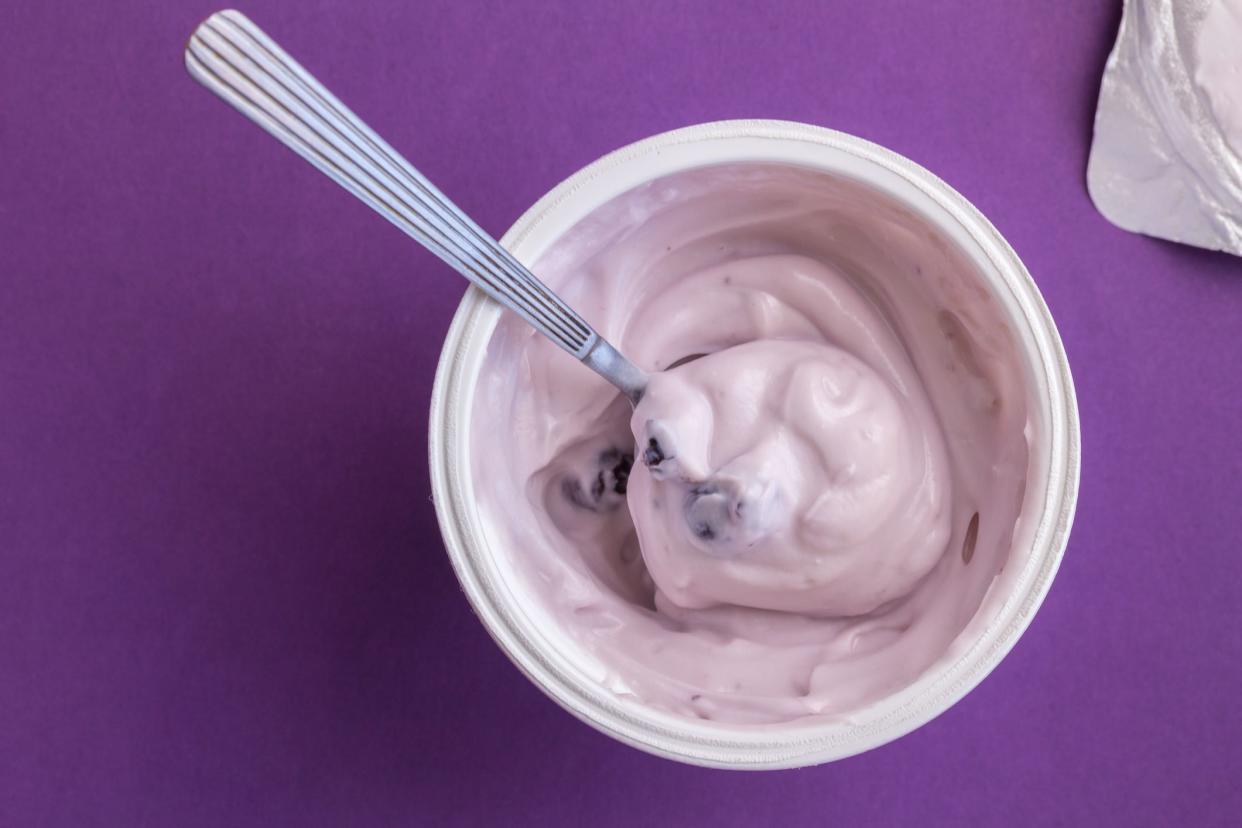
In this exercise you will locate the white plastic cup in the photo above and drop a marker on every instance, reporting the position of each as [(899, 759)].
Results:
[(553, 662)]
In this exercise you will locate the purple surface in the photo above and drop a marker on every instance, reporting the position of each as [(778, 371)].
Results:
[(223, 597)]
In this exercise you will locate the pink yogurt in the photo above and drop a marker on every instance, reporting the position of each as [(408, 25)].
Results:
[(862, 421)]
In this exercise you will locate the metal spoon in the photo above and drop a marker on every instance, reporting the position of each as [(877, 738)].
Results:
[(233, 58)]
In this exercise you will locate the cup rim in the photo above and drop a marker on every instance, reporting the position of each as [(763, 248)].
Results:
[(749, 747)]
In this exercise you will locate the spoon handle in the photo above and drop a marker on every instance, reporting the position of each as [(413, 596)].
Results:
[(233, 58)]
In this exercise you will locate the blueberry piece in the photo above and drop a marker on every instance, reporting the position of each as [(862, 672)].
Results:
[(599, 485), (615, 465), (653, 455), (572, 490), (707, 510), (703, 530), (621, 473)]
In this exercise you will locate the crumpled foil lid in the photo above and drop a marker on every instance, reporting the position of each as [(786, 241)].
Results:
[(1167, 155)]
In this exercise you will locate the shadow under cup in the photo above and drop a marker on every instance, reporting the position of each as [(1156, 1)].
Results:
[(957, 298)]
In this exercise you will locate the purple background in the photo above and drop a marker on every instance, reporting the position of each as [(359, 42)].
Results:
[(223, 596)]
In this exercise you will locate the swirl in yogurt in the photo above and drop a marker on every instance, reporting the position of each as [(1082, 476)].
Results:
[(789, 476), (799, 522)]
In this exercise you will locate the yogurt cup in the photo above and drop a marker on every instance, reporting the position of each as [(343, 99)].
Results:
[(567, 673)]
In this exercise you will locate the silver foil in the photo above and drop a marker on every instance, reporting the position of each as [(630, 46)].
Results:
[(1160, 163)]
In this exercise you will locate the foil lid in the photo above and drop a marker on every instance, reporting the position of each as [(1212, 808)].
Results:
[(1166, 160)]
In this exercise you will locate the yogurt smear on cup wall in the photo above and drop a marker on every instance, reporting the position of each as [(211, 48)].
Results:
[(798, 523)]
